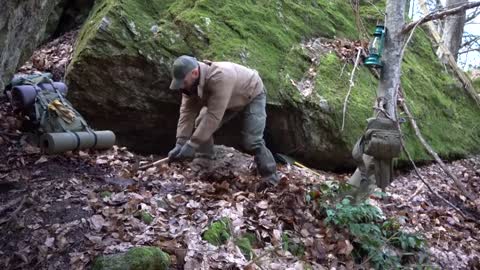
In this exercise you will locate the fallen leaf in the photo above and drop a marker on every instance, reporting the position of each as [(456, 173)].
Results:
[(49, 242), (97, 222)]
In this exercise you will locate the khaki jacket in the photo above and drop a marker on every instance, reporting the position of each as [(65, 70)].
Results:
[(222, 86)]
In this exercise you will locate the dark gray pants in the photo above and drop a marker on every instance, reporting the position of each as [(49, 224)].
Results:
[(254, 117)]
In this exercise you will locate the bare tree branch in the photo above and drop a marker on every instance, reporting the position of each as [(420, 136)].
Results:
[(470, 50), (439, 15), (473, 15), (432, 152), (471, 40)]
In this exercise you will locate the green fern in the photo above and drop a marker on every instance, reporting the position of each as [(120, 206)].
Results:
[(376, 240)]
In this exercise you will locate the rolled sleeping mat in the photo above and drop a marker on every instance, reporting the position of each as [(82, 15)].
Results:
[(105, 139), (24, 96), (53, 143)]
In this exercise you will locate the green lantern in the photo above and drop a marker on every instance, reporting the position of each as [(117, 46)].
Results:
[(375, 48)]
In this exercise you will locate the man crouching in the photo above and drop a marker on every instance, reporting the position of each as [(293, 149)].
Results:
[(208, 91)]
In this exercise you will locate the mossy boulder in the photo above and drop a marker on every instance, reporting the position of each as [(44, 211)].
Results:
[(120, 75), (138, 258), (218, 232)]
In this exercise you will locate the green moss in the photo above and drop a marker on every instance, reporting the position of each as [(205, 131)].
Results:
[(246, 243), (146, 217), (476, 84), (251, 238), (212, 30), (105, 194), (335, 88), (218, 233), (266, 35), (138, 258), (447, 117), (297, 249)]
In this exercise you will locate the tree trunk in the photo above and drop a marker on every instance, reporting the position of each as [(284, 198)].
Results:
[(453, 28), (390, 77), (392, 58)]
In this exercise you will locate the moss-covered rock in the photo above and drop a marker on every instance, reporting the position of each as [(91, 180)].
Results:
[(120, 74), (218, 232), (138, 258)]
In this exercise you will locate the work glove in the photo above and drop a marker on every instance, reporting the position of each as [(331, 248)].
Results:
[(187, 152), (174, 151)]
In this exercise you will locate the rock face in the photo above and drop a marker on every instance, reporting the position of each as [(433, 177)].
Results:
[(119, 76), (67, 15), (22, 25)]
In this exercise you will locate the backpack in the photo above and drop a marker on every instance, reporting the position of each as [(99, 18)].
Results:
[(382, 141), (52, 117)]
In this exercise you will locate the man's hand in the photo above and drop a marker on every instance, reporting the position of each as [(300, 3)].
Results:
[(187, 152), (174, 151)]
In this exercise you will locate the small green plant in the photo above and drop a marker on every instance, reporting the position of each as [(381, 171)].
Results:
[(294, 247), (105, 194), (245, 245), (377, 241), (146, 217), (330, 190), (218, 232)]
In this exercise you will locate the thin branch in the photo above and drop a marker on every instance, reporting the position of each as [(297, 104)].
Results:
[(14, 213), (343, 68), (470, 50), (419, 175), (350, 87), (419, 188), (432, 153), (417, 172), (265, 253), (156, 163), (473, 15), (402, 53), (472, 40), (439, 15)]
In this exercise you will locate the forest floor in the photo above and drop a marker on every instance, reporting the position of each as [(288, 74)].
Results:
[(61, 211)]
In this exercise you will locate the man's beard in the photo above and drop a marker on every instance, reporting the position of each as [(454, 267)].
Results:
[(192, 91)]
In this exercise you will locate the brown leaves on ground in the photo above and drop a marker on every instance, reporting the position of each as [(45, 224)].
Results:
[(66, 209), (61, 211), (53, 56), (453, 240)]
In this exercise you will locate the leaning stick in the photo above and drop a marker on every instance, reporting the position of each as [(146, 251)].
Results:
[(158, 162)]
